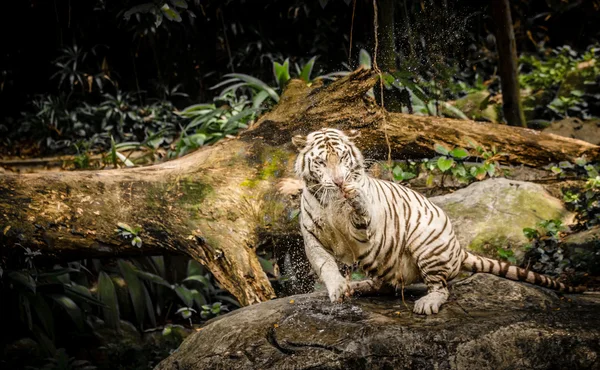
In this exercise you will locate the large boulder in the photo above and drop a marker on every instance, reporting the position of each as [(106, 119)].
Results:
[(492, 214), (489, 323), (577, 129)]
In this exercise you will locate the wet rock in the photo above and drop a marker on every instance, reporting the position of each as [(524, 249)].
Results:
[(492, 214), (577, 129), (489, 323)]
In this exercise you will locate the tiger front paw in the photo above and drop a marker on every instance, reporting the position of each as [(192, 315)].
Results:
[(339, 291), (350, 190), (430, 304)]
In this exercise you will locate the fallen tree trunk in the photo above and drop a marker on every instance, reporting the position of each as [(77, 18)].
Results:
[(216, 203)]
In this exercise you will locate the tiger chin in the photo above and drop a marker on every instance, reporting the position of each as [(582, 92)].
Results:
[(396, 235)]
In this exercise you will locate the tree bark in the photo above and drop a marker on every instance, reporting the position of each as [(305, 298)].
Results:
[(508, 64), (218, 203)]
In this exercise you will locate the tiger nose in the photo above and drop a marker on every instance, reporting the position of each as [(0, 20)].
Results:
[(338, 180)]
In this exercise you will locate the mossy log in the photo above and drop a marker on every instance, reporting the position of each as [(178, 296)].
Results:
[(217, 203)]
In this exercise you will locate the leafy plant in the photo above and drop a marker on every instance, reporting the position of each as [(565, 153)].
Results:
[(38, 297), (451, 161), (401, 174), (544, 251), (127, 232), (207, 123), (152, 296), (563, 81), (62, 361), (171, 10), (507, 254), (585, 202)]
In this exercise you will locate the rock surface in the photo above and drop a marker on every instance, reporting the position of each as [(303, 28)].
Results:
[(488, 323), (583, 249), (577, 129), (491, 214)]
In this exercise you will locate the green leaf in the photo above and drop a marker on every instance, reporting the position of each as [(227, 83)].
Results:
[(255, 83), (124, 159), (108, 296), (126, 227), (478, 172), (142, 8), (71, 308), (170, 13), (193, 110), (230, 300), (199, 298), (581, 161), (179, 3), (135, 289), (199, 278), (259, 98), (216, 308), (23, 279), (490, 169), (282, 72), (153, 278), (451, 110), (149, 307), (185, 312), (42, 310), (56, 272), (25, 310), (364, 59), (46, 344), (185, 295), (530, 233), (266, 265), (459, 153), (459, 170), (194, 268), (444, 163), (307, 70), (429, 182), (159, 264), (565, 164), (240, 116), (81, 294), (441, 149), (113, 152)]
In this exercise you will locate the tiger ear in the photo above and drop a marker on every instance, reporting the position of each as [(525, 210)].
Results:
[(353, 134), (299, 141)]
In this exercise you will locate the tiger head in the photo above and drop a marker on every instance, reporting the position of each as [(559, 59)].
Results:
[(328, 158)]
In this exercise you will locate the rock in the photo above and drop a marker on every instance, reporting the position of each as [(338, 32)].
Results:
[(489, 323), (492, 214), (577, 129), (583, 249)]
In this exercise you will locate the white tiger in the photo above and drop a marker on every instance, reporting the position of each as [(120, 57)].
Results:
[(395, 234)]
